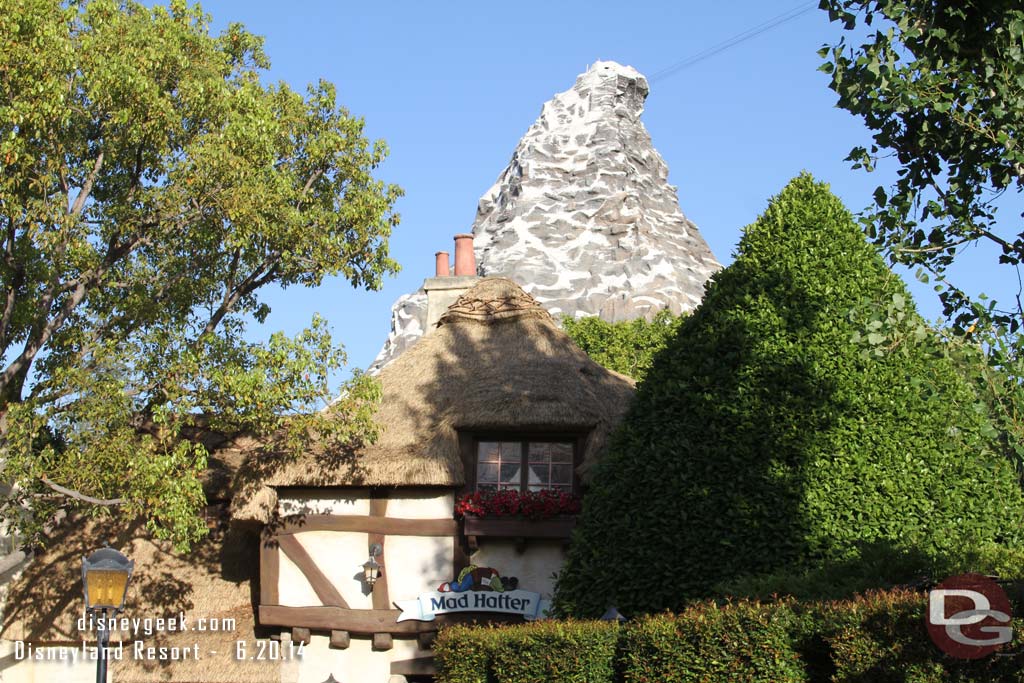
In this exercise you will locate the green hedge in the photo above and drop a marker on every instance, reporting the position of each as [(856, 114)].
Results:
[(880, 638), (744, 643), (549, 651)]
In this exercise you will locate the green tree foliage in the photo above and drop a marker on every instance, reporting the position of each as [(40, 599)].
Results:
[(628, 346), (150, 186), (941, 85), (766, 439)]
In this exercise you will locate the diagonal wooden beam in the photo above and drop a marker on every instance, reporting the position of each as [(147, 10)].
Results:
[(323, 587)]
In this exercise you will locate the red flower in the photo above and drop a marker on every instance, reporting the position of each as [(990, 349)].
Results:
[(509, 502)]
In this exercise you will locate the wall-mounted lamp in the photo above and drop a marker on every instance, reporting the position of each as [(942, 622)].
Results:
[(371, 568), (612, 614)]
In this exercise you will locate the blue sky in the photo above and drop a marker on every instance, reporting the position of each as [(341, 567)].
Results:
[(452, 86)]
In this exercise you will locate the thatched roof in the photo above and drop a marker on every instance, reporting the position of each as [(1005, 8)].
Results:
[(496, 362), (213, 581)]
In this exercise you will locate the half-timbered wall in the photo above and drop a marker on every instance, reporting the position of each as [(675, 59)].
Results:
[(325, 547), (311, 573)]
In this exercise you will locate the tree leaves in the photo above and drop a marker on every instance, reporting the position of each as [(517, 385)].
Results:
[(942, 89), (150, 187), (629, 346)]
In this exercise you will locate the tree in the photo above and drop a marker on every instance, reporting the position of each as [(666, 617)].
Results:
[(151, 186), (628, 346), (941, 85), (767, 439)]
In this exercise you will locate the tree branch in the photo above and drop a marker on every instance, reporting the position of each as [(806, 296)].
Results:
[(44, 328), (76, 208), (254, 281), (107, 502), (938, 247), (17, 279)]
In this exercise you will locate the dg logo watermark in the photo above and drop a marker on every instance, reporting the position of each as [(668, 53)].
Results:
[(969, 616)]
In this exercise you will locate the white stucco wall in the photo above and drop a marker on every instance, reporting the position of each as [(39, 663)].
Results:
[(421, 505), (533, 567), (325, 502)]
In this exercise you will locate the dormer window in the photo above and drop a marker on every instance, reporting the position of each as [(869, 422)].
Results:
[(525, 464)]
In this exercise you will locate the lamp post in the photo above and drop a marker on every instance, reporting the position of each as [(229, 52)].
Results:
[(105, 577)]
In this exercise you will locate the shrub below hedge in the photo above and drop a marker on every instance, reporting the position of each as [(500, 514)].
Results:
[(880, 638)]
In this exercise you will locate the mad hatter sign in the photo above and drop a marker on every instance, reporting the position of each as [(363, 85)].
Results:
[(478, 589)]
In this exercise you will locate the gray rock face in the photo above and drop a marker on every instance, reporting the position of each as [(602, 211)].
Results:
[(583, 216)]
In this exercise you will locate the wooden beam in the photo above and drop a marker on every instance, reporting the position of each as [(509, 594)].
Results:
[(340, 639), (300, 635), (425, 640), (379, 509), (389, 526), (323, 587), (356, 621), (378, 503), (382, 641), (269, 570), (367, 621), (421, 666)]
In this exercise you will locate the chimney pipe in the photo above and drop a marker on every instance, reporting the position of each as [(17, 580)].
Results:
[(441, 267), (465, 260)]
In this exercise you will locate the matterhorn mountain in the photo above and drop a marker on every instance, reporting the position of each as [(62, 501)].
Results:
[(583, 216)]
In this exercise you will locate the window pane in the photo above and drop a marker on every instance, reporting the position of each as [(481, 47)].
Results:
[(510, 450), (561, 475), (487, 473), (510, 473), (538, 475), (561, 452), (488, 451), (540, 452)]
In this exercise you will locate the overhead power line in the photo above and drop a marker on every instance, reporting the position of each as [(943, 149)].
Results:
[(735, 40)]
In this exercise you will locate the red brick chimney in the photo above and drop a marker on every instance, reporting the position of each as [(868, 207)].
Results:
[(445, 288), (465, 260), (441, 269)]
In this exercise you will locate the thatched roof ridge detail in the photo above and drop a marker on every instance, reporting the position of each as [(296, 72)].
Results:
[(493, 300)]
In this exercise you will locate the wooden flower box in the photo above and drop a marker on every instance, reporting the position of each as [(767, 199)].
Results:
[(518, 528)]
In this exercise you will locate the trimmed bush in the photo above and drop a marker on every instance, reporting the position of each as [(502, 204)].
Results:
[(463, 654), (739, 643), (879, 638), (765, 439), (549, 651), (882, 638)]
